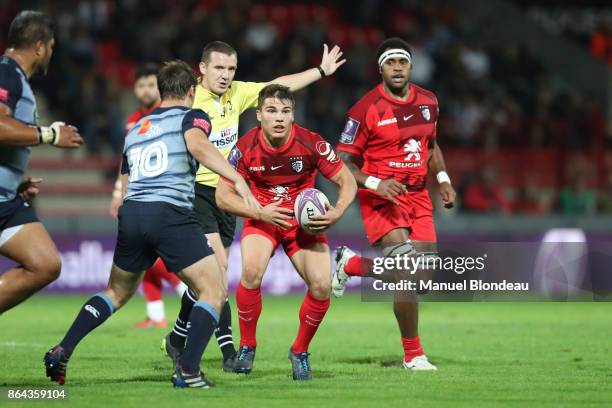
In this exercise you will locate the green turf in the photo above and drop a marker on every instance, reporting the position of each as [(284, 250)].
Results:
[(488, 354)]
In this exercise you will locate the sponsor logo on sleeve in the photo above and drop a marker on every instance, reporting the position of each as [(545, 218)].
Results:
[(350, 131), (325, 150), (234, 156), (202, 124), (4, 95)]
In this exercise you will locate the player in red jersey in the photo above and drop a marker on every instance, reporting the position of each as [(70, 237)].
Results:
[(280, 159), (145, 90), (389, 143)]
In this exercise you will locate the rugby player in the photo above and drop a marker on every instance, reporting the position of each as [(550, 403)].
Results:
[(23, 238), (280, 159), (147, 94), (389, 143)]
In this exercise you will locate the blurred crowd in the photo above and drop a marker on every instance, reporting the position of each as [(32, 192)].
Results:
[(493, 94)]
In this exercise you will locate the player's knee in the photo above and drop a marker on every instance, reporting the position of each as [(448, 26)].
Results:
[(46, 268), (320, 290), (251, 276)]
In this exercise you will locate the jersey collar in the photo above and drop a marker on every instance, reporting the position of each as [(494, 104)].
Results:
[(390, 98), (281, 149)]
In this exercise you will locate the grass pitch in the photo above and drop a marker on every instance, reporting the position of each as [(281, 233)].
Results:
[(488, 354)]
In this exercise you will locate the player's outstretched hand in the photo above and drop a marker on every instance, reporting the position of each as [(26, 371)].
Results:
[(331, 61), (243, 190), (447, 192), (319, 223), (67, 136), (274, 214), (390, 188), (28, 189)]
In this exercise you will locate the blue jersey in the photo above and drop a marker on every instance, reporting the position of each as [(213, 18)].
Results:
[(156, 158), (16, 93)]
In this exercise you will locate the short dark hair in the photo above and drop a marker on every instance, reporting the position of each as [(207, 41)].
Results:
[(174, 79), (275, 91), (393, 42), (29, 27), (218, 46), (145, 70)]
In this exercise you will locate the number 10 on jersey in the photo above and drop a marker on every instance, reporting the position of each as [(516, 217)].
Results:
[(148, 161)]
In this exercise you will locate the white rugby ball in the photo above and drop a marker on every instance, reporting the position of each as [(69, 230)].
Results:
[(309, 202)]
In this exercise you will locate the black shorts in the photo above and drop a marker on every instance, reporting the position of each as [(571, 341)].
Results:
[(211, 217), (16, 212), (158, 229)]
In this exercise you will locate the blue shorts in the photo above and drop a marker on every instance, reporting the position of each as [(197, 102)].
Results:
[(16, 212), (148, 230)]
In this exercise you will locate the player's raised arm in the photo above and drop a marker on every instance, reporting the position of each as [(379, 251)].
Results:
[(330, 62)]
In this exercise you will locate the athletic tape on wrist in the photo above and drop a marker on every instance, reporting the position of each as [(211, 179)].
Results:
[(372, 183), (442, 177)]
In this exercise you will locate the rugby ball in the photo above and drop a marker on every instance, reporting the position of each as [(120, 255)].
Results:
[(309, 202)]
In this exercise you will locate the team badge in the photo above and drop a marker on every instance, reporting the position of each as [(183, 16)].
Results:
[(297, 165), (425, 112)]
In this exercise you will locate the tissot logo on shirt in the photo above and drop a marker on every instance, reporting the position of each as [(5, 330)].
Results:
[(350, 131), (4, 95), (202, 124)]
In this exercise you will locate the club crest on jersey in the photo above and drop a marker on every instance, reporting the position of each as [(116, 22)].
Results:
[(297, 165), (425, 112)]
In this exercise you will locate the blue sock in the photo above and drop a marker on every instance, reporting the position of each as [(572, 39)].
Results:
[(202, 322), (94, 312)]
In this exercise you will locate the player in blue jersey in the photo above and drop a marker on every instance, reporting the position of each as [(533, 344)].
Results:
[(157, 220), (23, 238)]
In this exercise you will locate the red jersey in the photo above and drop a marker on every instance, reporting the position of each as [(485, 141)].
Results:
[(392, 135), (283, 173), (136, 116)]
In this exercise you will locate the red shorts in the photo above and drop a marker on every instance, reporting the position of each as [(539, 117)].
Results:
[(414, 212), (292, 239)]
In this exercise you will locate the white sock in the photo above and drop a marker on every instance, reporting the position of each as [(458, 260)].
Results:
[(155, 310), (180, 289)]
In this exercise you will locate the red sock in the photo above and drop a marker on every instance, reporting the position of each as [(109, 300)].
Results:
[(412, 348), (358, 266), (248, 302), (311, 315), (151, 283)]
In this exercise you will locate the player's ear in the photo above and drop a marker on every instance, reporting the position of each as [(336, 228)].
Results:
[(258, 113), (202, 66), (39, 48)]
